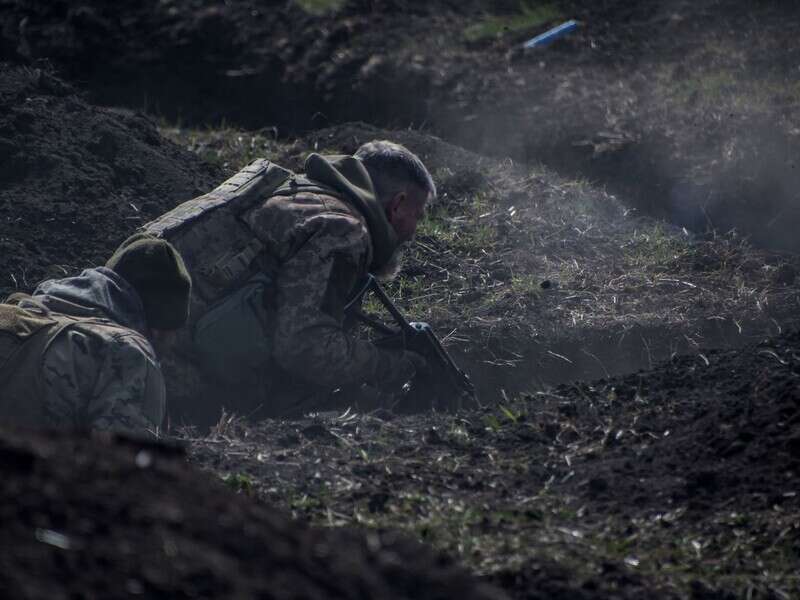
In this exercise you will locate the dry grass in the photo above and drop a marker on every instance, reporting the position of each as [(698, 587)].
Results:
[(227, 147)]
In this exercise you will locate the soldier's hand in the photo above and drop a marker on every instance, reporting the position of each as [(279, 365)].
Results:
[(419, 364), (403, 367)]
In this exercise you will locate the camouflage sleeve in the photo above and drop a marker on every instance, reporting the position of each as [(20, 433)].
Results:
[(100, 380), (311, 292)]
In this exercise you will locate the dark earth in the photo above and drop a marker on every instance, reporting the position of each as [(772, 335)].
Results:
[(69, 533), (701, 450), (77, 179), (688, 109), (678, 480)]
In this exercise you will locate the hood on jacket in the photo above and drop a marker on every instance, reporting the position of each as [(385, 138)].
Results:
[(348, 176), (98, 292)]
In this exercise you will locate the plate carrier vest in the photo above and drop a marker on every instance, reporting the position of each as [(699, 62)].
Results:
[(219, 248)]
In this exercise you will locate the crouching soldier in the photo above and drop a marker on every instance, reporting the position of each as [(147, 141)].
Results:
[(80, 352), (275, 257)]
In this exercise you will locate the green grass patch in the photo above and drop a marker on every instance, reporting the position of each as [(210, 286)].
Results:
[(654, 246), (529, 16), (526, 285), (227, 147), (722, 80), (320, 7), (468, 231), (731, 90), (239, 482), (714, 85)]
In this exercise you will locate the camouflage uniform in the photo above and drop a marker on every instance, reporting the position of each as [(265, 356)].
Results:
[(318, 236), (89, 364)]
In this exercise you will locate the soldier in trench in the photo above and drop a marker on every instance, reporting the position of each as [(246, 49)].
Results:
[(268, 334), (80, 352)]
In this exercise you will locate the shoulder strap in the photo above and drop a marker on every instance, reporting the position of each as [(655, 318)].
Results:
[(297, 184), (256, 181)]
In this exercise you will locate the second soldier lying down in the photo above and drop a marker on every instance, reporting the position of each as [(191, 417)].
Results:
[(80, 353)]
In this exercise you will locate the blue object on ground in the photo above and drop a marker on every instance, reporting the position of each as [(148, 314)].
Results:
[(551, 35)]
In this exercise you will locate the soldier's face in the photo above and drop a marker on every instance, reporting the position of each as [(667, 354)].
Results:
[(404, 212)]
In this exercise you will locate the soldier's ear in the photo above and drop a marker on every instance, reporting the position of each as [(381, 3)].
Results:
[(395, 203)]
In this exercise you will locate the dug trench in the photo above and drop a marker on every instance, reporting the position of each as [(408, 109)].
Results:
[(532, 279), (678, 481), (536, 280), (686, 111)]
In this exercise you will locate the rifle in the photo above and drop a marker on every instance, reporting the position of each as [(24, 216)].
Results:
[(446, 387)]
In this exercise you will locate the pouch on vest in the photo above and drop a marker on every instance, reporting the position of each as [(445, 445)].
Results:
[(230, 339)]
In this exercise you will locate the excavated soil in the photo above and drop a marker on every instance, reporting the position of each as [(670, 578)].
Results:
[(69, 532), (78, 179), (681, 481), (692, 431), (530, 289), (689, 110)]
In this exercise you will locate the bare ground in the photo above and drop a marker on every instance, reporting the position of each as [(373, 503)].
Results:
[(68, 533), (688, 110), (678, 481)]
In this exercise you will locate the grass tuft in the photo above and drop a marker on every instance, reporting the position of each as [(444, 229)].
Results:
[(528, 17), (320, 7), (226, 147), (239, 482)]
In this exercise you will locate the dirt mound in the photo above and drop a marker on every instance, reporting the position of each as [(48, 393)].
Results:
[(665, 483), (202, 62), (716, 428), (547, 580), (75, 179), (709, 146), (112, 518)]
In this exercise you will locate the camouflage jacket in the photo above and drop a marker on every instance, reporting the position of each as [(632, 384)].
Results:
[(323, 244), (98, 371), (317, 236)]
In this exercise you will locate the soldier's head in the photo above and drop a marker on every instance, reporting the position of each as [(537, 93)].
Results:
[(402, 184), (155, 269)]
